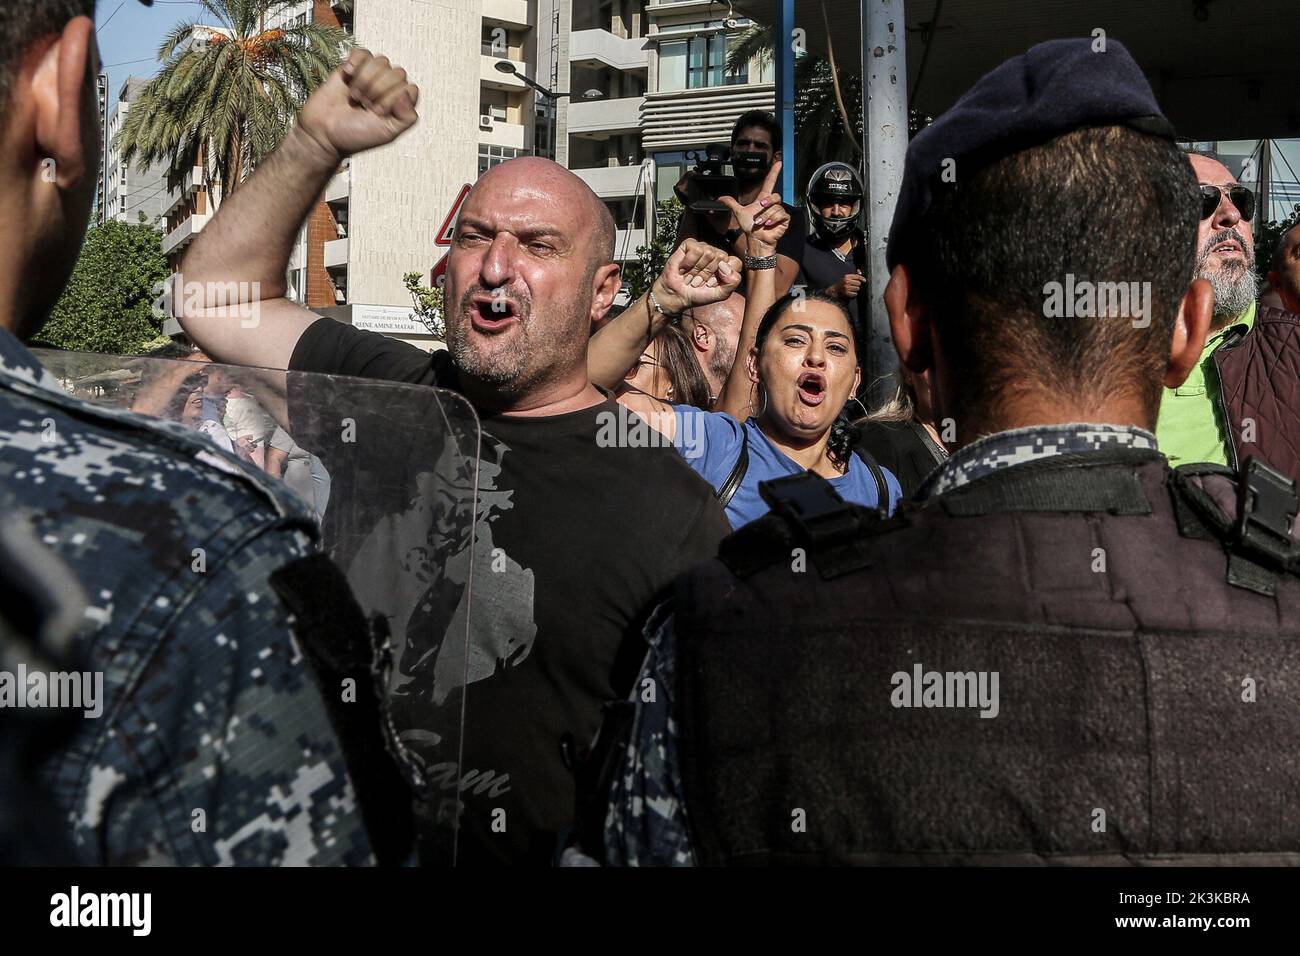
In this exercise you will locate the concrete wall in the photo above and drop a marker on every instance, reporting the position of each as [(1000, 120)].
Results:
[(401, 193)]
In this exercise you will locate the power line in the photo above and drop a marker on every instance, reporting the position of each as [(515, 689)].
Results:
[(110, 17), (129, 62)]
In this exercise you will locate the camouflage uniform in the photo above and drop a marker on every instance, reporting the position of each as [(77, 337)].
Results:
[(40, 605), (213, 746), (647, 822)]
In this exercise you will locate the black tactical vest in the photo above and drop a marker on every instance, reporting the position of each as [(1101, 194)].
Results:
[(1085, 659)]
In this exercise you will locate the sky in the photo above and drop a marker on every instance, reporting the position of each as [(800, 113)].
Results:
[(129, 31)]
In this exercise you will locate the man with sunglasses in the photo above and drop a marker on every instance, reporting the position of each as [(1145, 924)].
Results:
[(1239, 400)]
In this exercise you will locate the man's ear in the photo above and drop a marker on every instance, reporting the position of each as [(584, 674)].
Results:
[(702, 337), (58, 99), (1191, 328), (604, 287), (909, 323)]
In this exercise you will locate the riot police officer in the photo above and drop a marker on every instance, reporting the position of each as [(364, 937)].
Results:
[(207, 740), (1065, 652)]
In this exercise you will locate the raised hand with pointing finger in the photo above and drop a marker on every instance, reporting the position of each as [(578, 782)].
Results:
[(763, 221)]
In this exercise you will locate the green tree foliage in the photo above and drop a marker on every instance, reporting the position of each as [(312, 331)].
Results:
[(108, 305), (638, 276), (428, 305), (236, 89)]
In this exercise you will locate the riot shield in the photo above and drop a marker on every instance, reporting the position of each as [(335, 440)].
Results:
[(390, 472)]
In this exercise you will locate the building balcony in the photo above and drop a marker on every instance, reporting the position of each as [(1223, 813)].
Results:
[(494, 79), (626, 243), (700, 117), (340, 186), (705, 8), (503, 134), (597, 48), (179, 238), (603, 118), (616, 182), (184, 189), (510, 13), (336, 254)]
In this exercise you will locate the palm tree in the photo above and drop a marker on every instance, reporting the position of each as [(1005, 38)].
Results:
[(229, 89)]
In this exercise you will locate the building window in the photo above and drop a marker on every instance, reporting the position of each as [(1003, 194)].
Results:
[(669, 168), (489, 156), (698, 63), (496, 42)]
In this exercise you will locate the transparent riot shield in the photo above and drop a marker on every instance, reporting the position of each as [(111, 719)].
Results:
[(390, 473)]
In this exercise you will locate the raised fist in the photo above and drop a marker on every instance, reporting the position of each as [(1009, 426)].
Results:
[(365, 103), (696, 274), (848, 286)]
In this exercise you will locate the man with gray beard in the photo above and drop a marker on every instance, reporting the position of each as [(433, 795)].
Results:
[(1239, 400), (580, 538)]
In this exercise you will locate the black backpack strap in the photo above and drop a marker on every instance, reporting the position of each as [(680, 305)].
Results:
[(732, 484), (1252, 513), (877, 475)]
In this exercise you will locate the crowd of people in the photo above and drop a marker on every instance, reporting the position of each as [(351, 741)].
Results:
[(763, 638)]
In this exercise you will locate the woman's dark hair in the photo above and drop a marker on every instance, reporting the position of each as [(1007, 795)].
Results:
[(844, 434), (677, 357)]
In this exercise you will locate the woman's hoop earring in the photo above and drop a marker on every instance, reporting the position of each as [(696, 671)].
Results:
[(762, 394)]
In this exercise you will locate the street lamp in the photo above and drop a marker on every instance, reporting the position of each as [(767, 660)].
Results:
[(505, 66)]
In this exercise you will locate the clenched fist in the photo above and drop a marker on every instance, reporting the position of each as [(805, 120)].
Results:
[(848, 287), (696, 274), (367, 102)]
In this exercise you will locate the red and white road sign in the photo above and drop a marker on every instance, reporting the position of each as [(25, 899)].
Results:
[(449, 224), (439, 274)]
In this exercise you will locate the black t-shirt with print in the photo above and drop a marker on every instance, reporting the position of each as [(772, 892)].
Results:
[(582, 541)]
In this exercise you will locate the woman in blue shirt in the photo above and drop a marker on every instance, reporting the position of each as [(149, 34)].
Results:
[(802, 367), (794, 370)]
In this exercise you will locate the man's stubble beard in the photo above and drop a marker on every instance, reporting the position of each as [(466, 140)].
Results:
[(518, 369)]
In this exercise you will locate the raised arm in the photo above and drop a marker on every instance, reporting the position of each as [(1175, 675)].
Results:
[(696, 274), (230, 291), (763, 222)]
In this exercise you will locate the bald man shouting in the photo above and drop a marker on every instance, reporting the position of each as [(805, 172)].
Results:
[(581, 534)]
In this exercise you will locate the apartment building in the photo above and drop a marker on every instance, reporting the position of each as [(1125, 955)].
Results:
[(101, 185), (192, 194), (131, 190), (659, 70), (635, 85)]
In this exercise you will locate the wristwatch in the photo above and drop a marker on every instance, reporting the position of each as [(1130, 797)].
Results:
[(731, 235), (765, 262)]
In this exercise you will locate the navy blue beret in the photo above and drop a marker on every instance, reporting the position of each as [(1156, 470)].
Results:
[(1055, 87)]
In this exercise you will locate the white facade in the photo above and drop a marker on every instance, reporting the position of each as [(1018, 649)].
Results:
[(131, 190)]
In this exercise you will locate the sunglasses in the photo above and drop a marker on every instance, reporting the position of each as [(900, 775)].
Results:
[(1238, 195)]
